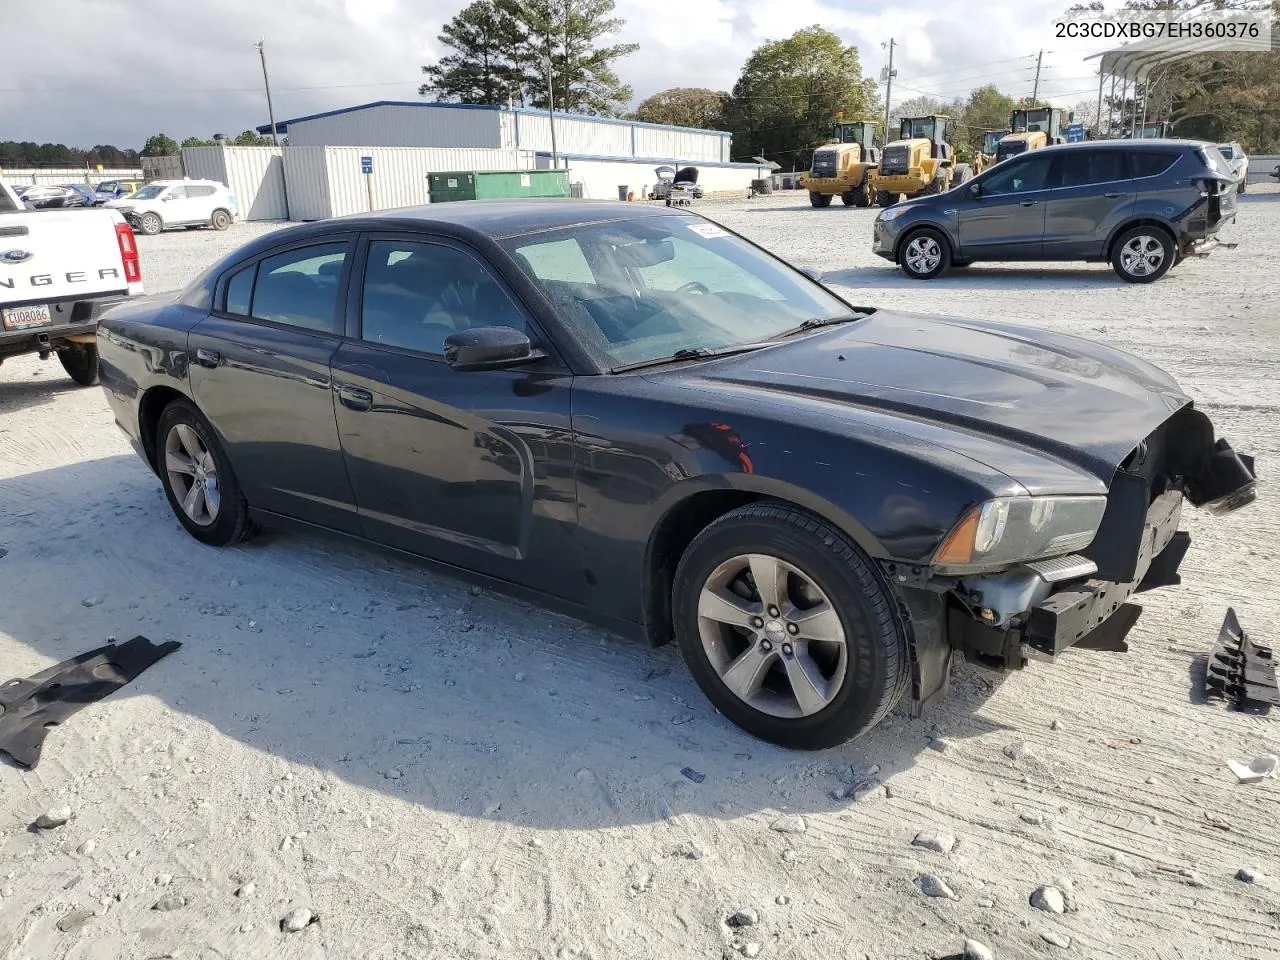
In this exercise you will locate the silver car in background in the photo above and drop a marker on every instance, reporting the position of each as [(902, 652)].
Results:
[(1237, 162)]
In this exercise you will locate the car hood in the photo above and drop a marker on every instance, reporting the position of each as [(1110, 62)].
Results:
[(1070, 399)]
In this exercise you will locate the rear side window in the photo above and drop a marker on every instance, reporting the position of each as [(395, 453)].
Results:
[(1083, 167), (300, 288), (239, 292), (1151, 163)]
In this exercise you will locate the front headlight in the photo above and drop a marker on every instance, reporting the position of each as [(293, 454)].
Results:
[(891, 213), (1017, 529)]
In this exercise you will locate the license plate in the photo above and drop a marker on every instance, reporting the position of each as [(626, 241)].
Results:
[(23, 318)]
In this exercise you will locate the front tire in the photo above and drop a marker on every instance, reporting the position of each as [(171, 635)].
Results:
[(220, 220), (925, 254), (1143, 254), (819, 199), (885, 199), (80, 360), (198, 479), (788, 628), (150, 224)]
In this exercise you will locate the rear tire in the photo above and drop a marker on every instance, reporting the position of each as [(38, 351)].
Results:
[(962, 173), (925, 254), (885, 199), (220, 220), (821, 669), (80, 360), (1143, 254), (150, 224), (187, 450), (848, 198), (819, 199), (1242, 187)]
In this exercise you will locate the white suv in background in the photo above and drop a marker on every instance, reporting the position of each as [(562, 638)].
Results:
[(162, 204), (1238, 162)]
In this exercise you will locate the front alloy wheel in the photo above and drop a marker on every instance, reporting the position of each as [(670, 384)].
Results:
[(788, 628), (925, 255)]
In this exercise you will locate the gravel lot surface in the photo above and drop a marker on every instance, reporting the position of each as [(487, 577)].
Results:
[(352, 756)]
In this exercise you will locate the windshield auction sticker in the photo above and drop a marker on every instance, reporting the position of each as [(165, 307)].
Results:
[(708, 230), (1194, 30)]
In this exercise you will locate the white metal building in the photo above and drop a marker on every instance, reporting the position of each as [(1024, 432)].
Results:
[(419, 137)]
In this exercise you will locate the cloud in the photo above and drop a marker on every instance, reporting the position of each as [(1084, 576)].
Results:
[(191, 69)]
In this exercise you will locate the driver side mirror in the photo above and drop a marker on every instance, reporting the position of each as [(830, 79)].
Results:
[(166, 198), (975, 190), (489, 348), (813, 273)]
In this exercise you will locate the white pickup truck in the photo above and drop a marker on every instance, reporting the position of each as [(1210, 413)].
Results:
[(59, 269)]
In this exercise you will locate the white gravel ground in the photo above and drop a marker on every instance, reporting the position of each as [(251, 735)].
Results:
[(436, 774)]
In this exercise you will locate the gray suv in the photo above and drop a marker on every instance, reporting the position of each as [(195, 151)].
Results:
[(1142, 205)]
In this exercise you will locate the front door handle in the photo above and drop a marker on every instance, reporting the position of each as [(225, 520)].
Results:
[(207, 358), (1113, 196), (1029, 203), (355, 398)]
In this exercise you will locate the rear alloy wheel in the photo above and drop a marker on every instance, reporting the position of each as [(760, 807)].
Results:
[(925, 254), (197, 478), (787, 627), (1143, 255), (150, 224), (80, 360), (220, 220), (819, 199)]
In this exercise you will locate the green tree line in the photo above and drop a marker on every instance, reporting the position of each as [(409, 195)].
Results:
[(19, 154)]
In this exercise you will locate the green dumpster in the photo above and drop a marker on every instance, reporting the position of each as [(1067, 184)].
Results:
[(497, 185)]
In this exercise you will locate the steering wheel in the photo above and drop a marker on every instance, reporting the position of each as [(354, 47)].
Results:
[(693, 288)]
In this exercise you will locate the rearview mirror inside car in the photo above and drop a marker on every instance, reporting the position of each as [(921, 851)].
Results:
[(650, 253), (488, 348)]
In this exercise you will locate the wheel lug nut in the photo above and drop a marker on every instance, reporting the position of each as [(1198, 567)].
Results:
[(786, 649), (766, 645), (757, 622), (792, 629), (773, 611)]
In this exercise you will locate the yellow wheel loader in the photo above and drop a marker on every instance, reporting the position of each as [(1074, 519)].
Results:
[(841, 167), (1031, 130), (990, 144), (920, 162)]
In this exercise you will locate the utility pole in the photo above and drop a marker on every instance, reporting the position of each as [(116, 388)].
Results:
[(271, 114), (551, 114), (888, 91), (1035, 91)]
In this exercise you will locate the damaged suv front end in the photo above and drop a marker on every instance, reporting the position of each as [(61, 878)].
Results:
[(1023, 578)]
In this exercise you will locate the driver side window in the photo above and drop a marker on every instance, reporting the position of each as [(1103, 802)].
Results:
[(417, 294), (1020, 176)]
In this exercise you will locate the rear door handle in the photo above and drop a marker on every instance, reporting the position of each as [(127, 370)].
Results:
[(1113, 196), (355, 398), (207, 358), (1029, 203)]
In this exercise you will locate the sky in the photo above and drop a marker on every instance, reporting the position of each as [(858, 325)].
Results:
[(87, 72)]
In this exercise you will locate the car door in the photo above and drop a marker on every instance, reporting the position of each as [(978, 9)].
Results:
[(259, 369), (1091, 194), (1001, 215), (175, 205), (471, 468), (200, 203)]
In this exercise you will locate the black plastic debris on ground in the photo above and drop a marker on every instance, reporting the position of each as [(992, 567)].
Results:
[(693, 774), (1240, 672), (31, 707)]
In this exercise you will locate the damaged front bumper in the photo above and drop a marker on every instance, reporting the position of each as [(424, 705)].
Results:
[(1039, 610)]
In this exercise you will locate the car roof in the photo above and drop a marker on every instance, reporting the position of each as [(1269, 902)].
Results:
[(1135, 143), (509, 218)]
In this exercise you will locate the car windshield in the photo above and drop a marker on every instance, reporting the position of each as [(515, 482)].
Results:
[(635, 291), (150, 191)]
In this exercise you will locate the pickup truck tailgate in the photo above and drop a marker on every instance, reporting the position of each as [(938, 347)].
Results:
[(51, 256)]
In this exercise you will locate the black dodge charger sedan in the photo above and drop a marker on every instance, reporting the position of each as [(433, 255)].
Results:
[(635, 415)]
